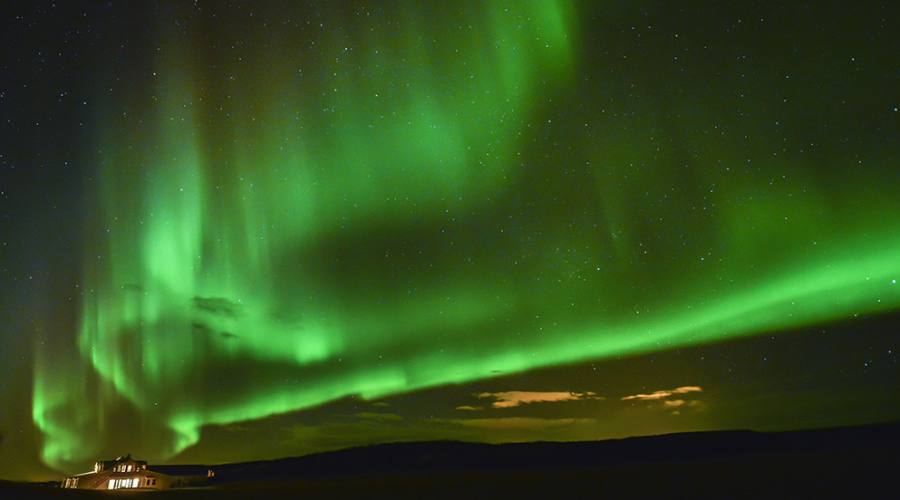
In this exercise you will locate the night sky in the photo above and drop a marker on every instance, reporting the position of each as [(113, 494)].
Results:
[(244, 230)]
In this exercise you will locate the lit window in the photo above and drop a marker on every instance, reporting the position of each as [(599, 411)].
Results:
[(127, 482)]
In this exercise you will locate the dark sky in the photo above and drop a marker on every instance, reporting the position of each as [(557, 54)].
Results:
[(242, 230)]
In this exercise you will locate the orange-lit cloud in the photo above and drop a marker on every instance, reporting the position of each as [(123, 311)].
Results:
[(663, 394), (511, 399), (468, 408)]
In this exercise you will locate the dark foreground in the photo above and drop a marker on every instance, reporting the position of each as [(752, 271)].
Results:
[(851, 462)]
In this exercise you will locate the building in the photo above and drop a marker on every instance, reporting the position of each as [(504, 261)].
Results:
[(126, 472)]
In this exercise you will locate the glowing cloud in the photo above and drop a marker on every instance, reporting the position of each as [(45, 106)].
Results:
[(511, 399), (662, 394)]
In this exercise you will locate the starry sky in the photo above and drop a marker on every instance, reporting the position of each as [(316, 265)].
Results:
[(244, 230)]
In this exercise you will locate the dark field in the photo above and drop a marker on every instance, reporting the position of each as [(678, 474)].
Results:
[(856, 462)]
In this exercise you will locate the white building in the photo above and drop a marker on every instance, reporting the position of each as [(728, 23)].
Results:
[(125, 472)]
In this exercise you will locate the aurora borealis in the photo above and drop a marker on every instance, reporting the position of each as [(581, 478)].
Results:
[(273, 207)]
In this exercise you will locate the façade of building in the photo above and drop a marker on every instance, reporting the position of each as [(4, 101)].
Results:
[(128, 473)]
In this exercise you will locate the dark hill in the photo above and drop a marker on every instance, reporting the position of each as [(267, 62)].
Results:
[(699, 447), (848, 462)]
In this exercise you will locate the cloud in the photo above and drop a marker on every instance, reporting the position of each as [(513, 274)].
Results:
[(675, 405), (469, 408), (521, 423), (511, 399), (663, 394)]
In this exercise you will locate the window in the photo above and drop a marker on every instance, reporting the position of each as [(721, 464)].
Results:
[(128, 482)]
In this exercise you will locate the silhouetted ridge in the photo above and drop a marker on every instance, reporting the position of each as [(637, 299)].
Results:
[(436, 456)]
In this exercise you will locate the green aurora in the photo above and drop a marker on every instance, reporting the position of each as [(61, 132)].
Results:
[(375, 204)]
